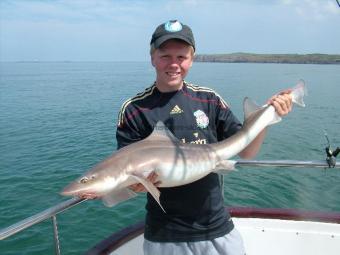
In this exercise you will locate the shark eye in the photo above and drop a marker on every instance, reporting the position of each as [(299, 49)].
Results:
[(84, 180), (93, 177)]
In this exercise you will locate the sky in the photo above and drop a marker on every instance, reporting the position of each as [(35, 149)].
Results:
[(120, 30)]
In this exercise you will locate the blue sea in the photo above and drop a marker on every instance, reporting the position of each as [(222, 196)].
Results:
[(58, 119)]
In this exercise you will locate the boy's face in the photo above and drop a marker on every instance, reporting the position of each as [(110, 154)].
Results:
[(172, 62)]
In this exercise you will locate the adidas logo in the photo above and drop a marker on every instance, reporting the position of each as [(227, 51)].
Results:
[(176, 110)]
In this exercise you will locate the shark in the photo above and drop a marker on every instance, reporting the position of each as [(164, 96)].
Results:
[(175, 163)]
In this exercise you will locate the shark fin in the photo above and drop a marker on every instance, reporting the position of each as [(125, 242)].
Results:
[(249, 107), (162, 133), (116, 196), (225, 166), (151, 188), (299, 91)]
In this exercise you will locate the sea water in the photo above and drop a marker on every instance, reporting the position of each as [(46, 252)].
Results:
[(58, 119)]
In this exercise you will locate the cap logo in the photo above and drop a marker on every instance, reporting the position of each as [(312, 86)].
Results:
[(173, 26)]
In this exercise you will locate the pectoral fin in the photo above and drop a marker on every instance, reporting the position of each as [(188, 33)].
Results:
[(151, 188), (117, 196), (225, 166)]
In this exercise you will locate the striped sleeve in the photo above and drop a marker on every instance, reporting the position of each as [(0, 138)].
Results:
[(122, 113), (129, 127), (227, 123), (127, 130)]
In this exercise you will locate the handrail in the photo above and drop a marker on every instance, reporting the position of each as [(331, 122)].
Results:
[(287, 163), (39, 217)]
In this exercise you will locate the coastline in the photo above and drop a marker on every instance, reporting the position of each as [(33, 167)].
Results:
[(241, 57)]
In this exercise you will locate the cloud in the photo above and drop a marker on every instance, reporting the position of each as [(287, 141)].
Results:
[(332, 7), (313, 9), (121, 29), (69, 11)]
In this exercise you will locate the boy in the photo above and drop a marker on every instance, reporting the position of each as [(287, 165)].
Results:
[(195, 221)]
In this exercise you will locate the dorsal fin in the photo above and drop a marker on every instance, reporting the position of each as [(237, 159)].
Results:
[(162, 133), (249, 107)]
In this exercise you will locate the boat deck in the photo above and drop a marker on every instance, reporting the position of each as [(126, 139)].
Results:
[(272, 236), (278, 234)]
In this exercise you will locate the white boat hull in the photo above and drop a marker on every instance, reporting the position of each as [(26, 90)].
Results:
[(282, 237), (264, 232), (272, 236)]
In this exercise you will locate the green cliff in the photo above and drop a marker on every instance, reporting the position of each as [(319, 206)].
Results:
[(269, 58)]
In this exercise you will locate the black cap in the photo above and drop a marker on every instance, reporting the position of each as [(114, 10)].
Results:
[(173, 29)]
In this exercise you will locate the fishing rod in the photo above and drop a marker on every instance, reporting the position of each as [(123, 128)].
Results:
[(331, 155)]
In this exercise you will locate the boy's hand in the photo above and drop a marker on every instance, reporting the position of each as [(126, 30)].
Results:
[(138, 187), (282, 102)]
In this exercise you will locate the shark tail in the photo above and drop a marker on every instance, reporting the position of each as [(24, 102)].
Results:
[(298, 92)]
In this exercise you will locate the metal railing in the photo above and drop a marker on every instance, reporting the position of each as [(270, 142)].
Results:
[(39, 217), (288, 163), (53, 211)]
